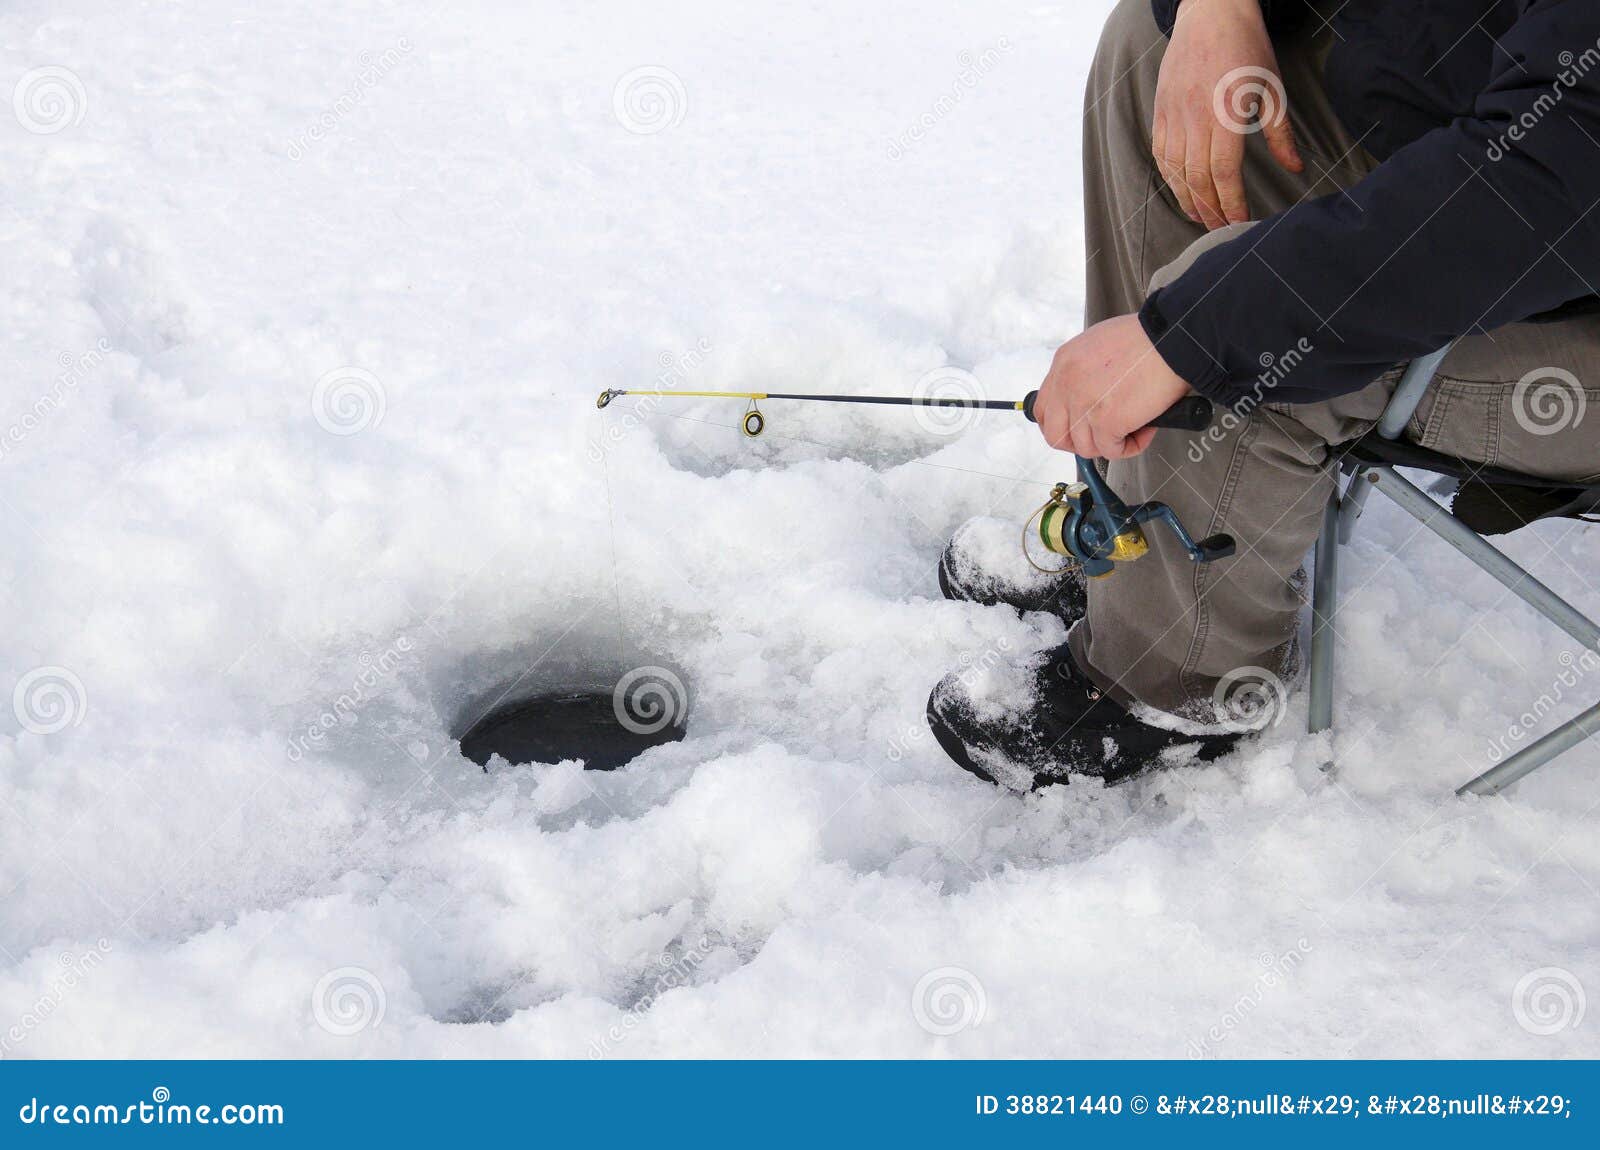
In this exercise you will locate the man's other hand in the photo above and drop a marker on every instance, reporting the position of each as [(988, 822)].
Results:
[(1219, 83), (1103, 387)]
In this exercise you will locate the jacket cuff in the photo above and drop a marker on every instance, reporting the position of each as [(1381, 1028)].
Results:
[(1185, 355), (1166, 12)]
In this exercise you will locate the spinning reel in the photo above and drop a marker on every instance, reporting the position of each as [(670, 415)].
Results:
[(1089, 523)]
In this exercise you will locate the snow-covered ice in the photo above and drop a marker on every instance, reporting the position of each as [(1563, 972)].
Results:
[(305, 311)]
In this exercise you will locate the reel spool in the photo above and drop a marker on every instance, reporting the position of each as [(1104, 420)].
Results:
[(1086, 523), (1067, 528)]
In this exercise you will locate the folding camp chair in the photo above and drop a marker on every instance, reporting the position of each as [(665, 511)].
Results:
[(1369, 464)]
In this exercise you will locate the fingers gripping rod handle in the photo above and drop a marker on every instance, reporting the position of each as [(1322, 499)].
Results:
[(1192, 413)]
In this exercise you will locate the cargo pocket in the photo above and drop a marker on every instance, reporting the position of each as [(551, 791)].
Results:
[(1545, 424), (1459, 417)]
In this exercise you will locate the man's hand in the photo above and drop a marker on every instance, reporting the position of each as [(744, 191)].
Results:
[(1103, 388), (1219, 83)]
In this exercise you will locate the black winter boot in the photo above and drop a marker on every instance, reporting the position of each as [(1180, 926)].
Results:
[(1030, 722), (983, 563)]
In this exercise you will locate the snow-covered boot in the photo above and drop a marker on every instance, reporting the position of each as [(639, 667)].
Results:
[(1026, 723), (983, 563)]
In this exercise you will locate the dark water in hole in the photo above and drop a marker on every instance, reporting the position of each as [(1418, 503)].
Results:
[(567, 725), (579, 693)]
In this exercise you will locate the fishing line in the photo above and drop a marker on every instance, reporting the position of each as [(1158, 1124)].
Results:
[(611, 520)]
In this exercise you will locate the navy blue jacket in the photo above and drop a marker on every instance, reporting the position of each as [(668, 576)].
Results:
[(1485, 209)]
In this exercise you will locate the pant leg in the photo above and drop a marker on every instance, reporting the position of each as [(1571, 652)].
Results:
[(1164, 631), (1524, 397)]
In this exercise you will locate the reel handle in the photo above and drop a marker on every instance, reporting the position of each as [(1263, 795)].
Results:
[(1191, 413)]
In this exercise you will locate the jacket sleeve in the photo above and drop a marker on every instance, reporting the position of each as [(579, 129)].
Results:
[(1279, 13), (1486, 221)]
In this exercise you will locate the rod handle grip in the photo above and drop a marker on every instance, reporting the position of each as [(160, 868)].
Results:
[(1192, 413)]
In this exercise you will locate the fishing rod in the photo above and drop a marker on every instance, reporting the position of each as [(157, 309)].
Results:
[(1190, 414), (1086, 521)]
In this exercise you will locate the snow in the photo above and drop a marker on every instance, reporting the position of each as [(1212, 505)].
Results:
[(305, 314)]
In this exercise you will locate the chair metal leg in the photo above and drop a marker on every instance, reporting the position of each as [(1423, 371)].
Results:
[(1467, 541), (1408, 392), (1535, 755), (1324, 604), (1339, 521), (1352, 503), (1532, 592)]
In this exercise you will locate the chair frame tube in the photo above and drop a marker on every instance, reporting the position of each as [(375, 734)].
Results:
[(1338, 523)]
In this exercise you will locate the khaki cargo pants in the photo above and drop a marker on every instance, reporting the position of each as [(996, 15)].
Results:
[(1164, 631)]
